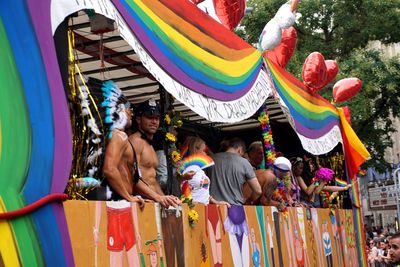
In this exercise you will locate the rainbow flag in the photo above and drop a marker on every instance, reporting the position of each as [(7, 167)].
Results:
[(314, 118), (358, 223), (362, 172), (184, 151), (340, 182)]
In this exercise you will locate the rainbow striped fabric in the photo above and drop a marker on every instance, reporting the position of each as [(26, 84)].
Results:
[(314, 118)]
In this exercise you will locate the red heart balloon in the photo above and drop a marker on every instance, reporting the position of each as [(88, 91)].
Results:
[(332, 70), (230, 12), (346, 88), (347, 114), (314, 72), (284, 51)]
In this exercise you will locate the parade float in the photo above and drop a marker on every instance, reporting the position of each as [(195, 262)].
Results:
[(216, 76)]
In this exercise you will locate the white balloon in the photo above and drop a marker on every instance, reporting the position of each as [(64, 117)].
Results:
[(285, 17), (271, 36)]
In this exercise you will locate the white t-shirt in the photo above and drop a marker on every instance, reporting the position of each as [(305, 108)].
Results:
[(199, 185)]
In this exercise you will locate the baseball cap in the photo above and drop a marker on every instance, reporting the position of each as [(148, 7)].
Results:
[(149, 107), (282, 164)]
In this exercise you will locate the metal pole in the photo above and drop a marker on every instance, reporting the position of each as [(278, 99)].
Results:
[(396, 176), (165, 106)]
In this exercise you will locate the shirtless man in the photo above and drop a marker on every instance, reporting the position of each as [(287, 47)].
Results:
[(119, 169), (268, 182), (147, 117), (119, 160)]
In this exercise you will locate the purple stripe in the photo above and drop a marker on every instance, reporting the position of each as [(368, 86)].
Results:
[(172, 70), (314, 133), (63, 228), (41, 18)]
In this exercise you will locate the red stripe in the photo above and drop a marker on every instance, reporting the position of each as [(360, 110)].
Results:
[(193, 15)]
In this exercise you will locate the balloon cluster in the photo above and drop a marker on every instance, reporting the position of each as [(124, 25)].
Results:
[(318, 73), (278, 41)]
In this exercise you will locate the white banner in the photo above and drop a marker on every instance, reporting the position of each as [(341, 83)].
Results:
[(319, 146), (211, 109)]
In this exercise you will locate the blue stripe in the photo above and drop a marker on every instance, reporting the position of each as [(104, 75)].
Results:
[(38, 183), (188, 69), (300, 118)]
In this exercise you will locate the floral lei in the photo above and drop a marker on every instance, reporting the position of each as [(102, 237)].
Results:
[(269, 147), (172, 122)]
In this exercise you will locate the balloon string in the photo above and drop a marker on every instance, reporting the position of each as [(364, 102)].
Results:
[(33, 206)]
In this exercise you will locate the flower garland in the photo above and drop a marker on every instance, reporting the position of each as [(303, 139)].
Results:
[(187, 198), (172, 121), (269, 147)]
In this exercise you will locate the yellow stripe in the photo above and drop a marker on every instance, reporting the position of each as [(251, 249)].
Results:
[(8, 248), (353, 139), (231, 68), (298, 98), (0, 140)]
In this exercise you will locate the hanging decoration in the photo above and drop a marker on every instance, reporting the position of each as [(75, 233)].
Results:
[(87, 131), (268, 141), (186, 197), (172, 122)]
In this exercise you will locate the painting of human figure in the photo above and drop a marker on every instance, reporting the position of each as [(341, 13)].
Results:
[(111, 234)]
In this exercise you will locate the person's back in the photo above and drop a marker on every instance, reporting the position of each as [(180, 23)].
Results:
[(267, 181), (228, 175)]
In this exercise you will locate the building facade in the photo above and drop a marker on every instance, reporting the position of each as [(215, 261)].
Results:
[(379, 191)]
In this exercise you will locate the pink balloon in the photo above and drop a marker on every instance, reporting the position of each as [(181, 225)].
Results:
[(314, 72), (346, 88), (284, 51), (332, 70)]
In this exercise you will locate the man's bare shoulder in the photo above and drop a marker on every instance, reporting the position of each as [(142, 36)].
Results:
[(137, 141), (119, 135), (265, 175), (135, 138)]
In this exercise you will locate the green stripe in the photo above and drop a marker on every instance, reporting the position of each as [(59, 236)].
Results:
[(15, 151), (189, 59), (302, 110)]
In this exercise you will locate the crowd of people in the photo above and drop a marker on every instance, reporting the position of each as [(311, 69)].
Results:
[(135, 169), (383, 249)]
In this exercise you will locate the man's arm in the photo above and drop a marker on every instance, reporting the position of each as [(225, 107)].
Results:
[(165, 201), (112, 159), (255, 188)]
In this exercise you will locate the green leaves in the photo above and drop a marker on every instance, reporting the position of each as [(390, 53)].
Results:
[(343, 30)]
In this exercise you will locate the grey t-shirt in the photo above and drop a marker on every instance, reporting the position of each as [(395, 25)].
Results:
[(227, 177)]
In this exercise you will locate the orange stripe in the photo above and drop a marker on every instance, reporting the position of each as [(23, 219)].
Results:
[(198, 37), (297, 86)]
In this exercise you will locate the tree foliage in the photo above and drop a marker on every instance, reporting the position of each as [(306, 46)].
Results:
[(342, 30)]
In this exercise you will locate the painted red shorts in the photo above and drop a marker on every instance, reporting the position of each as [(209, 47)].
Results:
[(120, 230)]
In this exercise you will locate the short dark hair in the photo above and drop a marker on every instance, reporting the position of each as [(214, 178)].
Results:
[(254, 145), (236, 142)]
